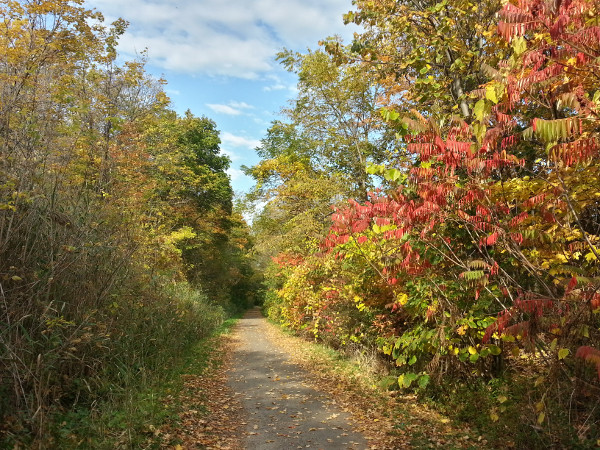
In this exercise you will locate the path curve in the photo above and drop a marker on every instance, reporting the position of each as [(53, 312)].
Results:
[(282, 410)]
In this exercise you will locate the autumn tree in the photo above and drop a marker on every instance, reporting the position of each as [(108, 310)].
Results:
[(336, 110), (116, 223), (485, 253), (427, 54)]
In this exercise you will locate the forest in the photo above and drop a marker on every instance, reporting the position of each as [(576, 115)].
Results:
[(431, 196)]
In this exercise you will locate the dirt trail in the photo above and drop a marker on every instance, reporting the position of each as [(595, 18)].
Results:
[(282, 410)]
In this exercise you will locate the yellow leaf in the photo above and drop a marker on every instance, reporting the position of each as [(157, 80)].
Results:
[(472, 350), (585, 331), (402, 298), (561, 258), (541, 418), (502, 399), (539, 406), (563, 353), (490, 94), (494, 417)]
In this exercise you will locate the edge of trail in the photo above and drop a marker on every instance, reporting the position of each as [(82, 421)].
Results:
[(212, 416)]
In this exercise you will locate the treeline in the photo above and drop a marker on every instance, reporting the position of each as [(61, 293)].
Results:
[(119, 244), (458, 142)]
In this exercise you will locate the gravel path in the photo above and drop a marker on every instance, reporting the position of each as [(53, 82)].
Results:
[(282, 411)]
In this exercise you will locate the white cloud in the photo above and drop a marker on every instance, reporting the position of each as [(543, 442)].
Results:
[(236, 38), (275, 87), (233, 108), (241, 105), (229, 139), (231, 155), (235, 174), (224, 109)]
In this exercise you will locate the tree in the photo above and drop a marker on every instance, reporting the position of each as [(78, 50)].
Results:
[(427, 54), (335, 110), (487, 247), (115, 219)]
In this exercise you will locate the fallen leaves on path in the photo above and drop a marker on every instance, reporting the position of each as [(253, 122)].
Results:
[(209, 416), (388, 422)]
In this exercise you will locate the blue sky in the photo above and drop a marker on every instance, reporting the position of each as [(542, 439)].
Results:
[(219, 58)]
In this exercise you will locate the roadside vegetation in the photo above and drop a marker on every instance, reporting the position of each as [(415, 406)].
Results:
[(116, 220), (432, 198)]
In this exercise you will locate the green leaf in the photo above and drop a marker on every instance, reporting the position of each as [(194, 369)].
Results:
[(473, 275), (563, 353), (495, 350), (389, 114), (423, 381), (392, 174), (412, 360), (405, 380), (375, 169)]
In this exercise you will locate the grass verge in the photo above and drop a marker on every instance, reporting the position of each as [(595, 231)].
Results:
[(475, 414), (136, 415)]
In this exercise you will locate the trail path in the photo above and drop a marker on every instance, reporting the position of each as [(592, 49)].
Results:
[(281, 409), (264, 389)]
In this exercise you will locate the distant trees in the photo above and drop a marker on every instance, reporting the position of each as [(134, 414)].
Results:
[(318, 155)]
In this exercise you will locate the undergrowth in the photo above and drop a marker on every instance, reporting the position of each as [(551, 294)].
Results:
[(131, 420), (494, 413), (120, 405)]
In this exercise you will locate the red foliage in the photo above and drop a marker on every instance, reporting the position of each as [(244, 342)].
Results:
[(589, 355)]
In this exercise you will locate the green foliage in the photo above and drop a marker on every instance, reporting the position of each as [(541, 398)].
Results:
[(115, 219), (477, 257)]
